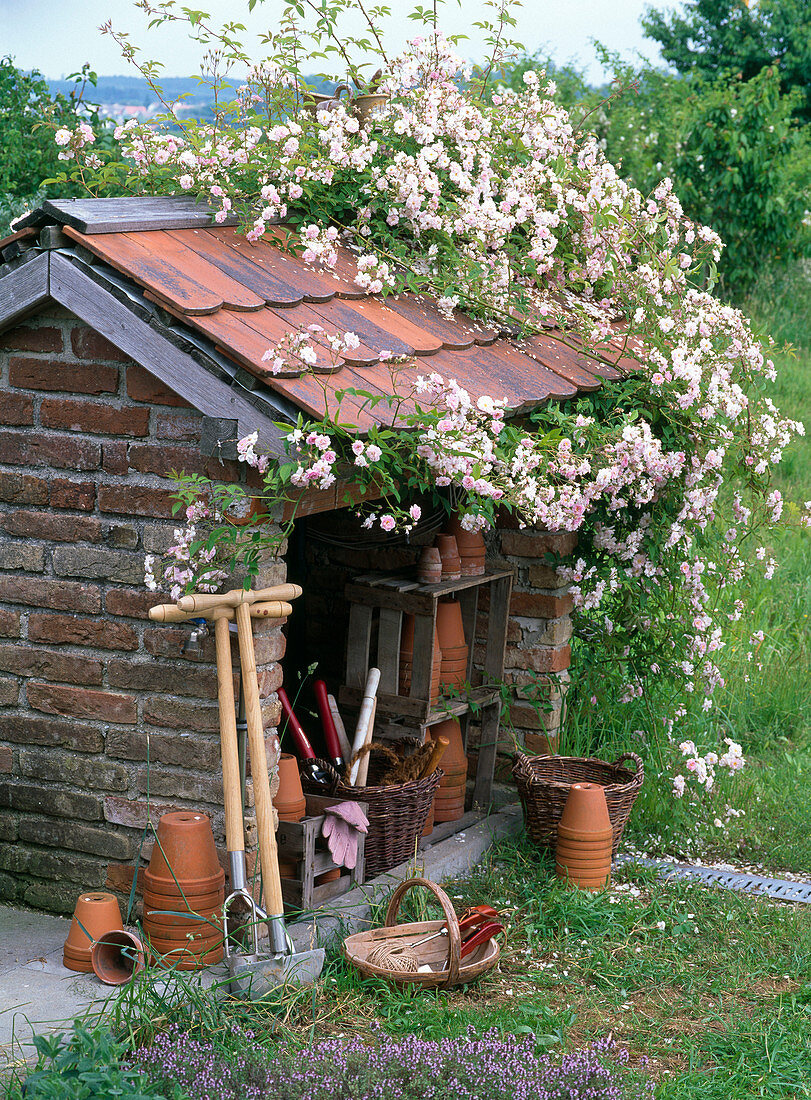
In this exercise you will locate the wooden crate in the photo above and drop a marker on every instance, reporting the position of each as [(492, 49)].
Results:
[(377, 605), (301, 842)]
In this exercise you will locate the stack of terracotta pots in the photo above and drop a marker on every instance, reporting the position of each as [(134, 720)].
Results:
[(471, 548), (449, 553), (451, 634), (184, 889), (585, 839), (95, 915), (407, 660), (449, 801), (289, 802), (429, 567)]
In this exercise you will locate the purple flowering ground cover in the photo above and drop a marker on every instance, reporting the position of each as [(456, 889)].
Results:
[(489, 1066)]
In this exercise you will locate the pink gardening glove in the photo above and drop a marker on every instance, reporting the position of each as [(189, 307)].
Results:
[(342, 823)]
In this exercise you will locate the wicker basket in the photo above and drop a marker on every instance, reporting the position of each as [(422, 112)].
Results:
[(442, 953), (543, 785), (397, 814)]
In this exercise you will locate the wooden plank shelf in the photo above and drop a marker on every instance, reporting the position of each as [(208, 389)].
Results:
[(377, 604)]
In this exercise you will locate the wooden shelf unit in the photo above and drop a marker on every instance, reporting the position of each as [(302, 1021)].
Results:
[(380, 602)]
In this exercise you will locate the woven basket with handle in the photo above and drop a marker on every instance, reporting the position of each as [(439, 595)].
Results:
[(397, 813), (543, 786), (442, 953)]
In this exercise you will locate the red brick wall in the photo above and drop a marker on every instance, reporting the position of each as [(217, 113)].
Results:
[(88, 686)]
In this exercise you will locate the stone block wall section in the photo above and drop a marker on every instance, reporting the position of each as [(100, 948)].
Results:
[(90, 689)]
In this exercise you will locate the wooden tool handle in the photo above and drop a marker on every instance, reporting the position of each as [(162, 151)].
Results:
[(438, 752), (362, 728), (171, 613), (206, 602), (234, 828), (268, 855), (340, 729), (363, 769)]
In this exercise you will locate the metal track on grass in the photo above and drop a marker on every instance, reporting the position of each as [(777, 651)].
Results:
[(779, 888)]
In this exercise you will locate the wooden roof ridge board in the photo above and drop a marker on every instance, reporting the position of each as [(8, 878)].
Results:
[(126, 213)]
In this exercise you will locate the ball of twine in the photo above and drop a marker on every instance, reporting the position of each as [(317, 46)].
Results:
[(390, 957)]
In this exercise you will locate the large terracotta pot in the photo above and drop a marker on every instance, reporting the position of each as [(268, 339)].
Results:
[(289, 799), (96, 913), (184, 853)]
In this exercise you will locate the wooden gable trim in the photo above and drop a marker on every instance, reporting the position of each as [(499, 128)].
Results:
[(74, 290), (23, 290)]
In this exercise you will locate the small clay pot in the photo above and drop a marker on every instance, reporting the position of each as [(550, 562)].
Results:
[(451, 562), (185, 903), (162, 918), (204, 933), (471, 548), (585, 881), (117, 957), (184, 850), (586, 836), (184, 887), (172, 957), (448, 667), (456, 653), (95, 914), (429, 567), (449, 628), (289, 800), (585, 811), (443, 814), (454, 755)]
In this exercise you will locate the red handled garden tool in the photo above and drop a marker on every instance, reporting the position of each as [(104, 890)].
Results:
[(471, 922)]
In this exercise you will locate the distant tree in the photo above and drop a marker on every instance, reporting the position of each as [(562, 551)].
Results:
[(713, 38)]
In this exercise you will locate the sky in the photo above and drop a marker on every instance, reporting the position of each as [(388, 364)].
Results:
[(58, 36)]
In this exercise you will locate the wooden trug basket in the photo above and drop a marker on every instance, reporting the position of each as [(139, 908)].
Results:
[(439, 953)]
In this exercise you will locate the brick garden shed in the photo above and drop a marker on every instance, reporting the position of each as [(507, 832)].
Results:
[(131, 342)]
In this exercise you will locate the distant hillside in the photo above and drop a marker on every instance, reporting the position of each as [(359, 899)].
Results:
[(134, 91)]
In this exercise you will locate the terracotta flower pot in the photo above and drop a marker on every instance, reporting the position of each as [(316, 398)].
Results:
[(289, 799), (453, 667), (471, 547), (429, 567), (185, 851), (456, 653), (185, 903), (449, 813), (172, 957), (95, 914), (117, 957), (582, 849), (203, 933), (449, 628), (586, 810), (454, 755), (451, 562), (184, 887), (587, 880), (429, 822), (162, 918)]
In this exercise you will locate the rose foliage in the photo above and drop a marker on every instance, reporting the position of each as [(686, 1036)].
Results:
[(488, 199)]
